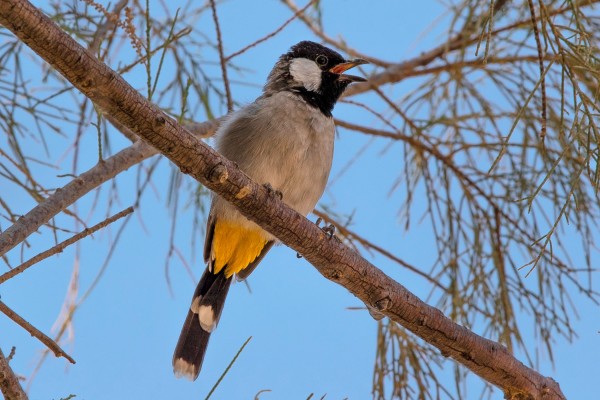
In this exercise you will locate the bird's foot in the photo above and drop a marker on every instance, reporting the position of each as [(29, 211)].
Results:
[(329, 229), (271, 190)]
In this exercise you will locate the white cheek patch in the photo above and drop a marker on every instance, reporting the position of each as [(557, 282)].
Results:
[(307, 73)]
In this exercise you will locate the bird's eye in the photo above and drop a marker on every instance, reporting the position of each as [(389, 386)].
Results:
[(321, 60)]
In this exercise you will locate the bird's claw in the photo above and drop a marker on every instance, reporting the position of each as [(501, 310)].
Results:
[(329, 229), (271, 190)]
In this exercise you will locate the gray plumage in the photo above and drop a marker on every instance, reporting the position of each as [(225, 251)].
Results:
[(284, 139), (292, 154)]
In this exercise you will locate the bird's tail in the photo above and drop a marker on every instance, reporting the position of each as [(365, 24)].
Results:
[(202, 318)]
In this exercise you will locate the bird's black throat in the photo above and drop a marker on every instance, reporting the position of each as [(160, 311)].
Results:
[(325, 99)]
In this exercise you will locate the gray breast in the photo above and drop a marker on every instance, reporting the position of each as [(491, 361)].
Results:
[(282, 141)]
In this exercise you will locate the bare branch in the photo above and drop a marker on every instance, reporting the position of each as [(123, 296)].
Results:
[(222, 58), (61, 246), (270, 35), (538, 43), (327, 39), (398, 72), (36, 333), (110, 23), (84, 183)]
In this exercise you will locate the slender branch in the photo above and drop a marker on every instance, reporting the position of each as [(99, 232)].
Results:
[(328, 39), (332, 259), (397, 72), (110, 23), (36, 333), (84, 183), (222, 56), (270, 35), (9, 383), (61, 246), (11, 354), (446, 159), (540, 51)]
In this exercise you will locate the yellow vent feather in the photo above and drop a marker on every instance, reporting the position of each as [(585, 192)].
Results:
[(235, 247)]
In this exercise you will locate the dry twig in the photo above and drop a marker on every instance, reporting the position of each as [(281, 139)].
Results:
[(222, 58), (36, 333), (270, 35), (61, 246)]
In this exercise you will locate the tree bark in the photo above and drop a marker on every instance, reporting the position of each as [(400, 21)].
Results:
[(9, 383), (334, 260)]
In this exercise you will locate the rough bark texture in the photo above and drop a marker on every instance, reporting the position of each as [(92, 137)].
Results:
[(335, 261), (9, 384)]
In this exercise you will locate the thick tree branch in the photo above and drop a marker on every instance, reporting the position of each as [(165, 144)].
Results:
[(334, 260), (9, 383)]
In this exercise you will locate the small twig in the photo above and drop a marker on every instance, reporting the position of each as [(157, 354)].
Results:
[(36, 333), (256, 397), (446, 160), (9, 383), (270, 35), (489, 21), (538, 43), (11, 354), (336, 43), (228, 368), (222, 56), (63, 197), (377, 114), (398, 110), (109, 24), (61, 246), (113, 17)]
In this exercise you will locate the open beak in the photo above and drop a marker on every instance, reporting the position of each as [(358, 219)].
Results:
[(343, 67)]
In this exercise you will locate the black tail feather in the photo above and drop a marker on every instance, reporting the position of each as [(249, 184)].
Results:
[(207, 305)]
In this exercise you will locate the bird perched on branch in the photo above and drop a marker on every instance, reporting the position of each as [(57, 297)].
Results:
[(284, 139)]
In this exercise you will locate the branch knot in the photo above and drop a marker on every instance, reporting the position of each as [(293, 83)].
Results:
[(218, 174)]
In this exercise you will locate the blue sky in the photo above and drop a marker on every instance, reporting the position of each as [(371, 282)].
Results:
[(304, 338)]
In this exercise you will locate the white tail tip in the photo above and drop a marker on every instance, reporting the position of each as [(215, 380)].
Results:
[(184, 369)]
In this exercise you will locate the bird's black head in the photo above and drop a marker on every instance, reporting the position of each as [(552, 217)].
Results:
[(315, 73)]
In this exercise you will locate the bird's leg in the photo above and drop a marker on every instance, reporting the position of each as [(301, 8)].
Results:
[(329, 229), (271, 190), (318, 224)]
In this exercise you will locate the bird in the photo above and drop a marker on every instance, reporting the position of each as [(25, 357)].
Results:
[(284, 140)]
